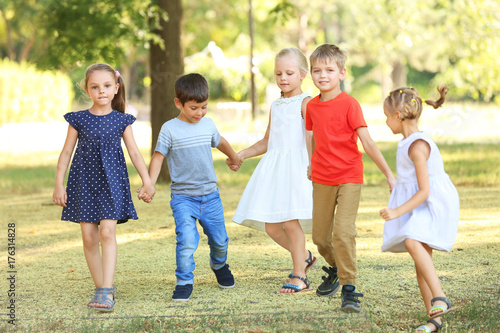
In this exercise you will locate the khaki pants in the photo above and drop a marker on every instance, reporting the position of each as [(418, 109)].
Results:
[(335, 208)]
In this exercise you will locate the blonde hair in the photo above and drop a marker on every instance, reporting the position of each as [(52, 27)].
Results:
[(329, 52), (301, 58), (408, 102), (119, 102)]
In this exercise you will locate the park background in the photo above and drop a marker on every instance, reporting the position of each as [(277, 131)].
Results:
[(45, 47)]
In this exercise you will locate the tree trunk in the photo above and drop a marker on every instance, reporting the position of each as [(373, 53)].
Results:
[(10, 44), (399, 74), (166, 64)]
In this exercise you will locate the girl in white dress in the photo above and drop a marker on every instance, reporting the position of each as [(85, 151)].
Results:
[(278, 196), (423, 209)]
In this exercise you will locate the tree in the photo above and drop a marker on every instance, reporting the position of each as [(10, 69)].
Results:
[(166, 63), (71, 33), (471, 48)]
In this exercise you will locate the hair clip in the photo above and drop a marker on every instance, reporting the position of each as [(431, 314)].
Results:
[(389, 95), (413, 100), (401, 91), (117, 74), (411, 87)]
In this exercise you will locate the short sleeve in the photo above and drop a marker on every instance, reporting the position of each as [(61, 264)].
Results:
[(309, 124), (215, 136), (164, 142), (129, 119), (72, 119), (355, 116)]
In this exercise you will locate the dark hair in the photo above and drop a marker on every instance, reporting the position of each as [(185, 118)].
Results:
[(191, 87), (408, 102), (119, 102)]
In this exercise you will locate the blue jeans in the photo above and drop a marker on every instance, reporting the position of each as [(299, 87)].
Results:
[(207, 209)]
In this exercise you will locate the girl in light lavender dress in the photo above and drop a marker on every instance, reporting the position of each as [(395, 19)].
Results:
[(422, 214)]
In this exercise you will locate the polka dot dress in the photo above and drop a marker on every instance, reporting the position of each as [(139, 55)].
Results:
[(98, 185)]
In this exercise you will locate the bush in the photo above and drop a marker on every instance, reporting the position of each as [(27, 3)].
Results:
[(31, 95)]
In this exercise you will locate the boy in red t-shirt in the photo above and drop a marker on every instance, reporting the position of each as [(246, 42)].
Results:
[(336, 170)]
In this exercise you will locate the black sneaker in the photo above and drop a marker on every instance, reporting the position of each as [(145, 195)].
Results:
[(224, 277), (182, 292), (350, 301), (330, 283)]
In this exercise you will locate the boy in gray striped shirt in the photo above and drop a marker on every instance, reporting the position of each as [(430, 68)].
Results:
[(187, 142)]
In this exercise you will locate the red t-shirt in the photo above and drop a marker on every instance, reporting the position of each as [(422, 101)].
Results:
[(336, 159)]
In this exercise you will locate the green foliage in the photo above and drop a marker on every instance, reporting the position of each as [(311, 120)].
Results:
[(228, 77), (101, 31), (452, 42), (424, 82), (283, 11), (472, 29), (366, 92), (28, 94)]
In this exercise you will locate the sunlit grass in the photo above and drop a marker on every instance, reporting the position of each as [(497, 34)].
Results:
[(54, 285)]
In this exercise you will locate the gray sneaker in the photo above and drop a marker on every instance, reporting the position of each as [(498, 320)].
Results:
[(350, 301)]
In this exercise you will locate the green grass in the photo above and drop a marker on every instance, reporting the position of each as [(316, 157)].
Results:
[(467, 164), (53, 284)]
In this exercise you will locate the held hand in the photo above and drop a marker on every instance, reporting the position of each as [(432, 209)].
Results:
[(309, 172), (146, 198), (389, 214), (236, 161), (149, 193), (59, 197), (234, 167), (146, 193)]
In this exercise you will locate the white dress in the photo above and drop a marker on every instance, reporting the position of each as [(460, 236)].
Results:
[(279, 190), (435, 222)]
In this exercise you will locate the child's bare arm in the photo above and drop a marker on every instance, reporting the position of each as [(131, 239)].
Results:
[(374, 153), (154, 172), (139, 164), (419, 153), (310, 151), (155, 166), (225, 147), (59, 196), (258, 148)]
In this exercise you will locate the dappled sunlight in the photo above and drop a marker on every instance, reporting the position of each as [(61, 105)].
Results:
[(145, 274), (31, 254), (49, 229)]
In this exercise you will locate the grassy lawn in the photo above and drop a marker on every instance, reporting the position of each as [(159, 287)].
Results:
[(53, 284)]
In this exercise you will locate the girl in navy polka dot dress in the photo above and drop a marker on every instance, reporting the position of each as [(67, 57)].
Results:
[(98, 190)]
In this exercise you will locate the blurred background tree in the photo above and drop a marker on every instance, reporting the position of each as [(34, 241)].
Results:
[(390, 43)]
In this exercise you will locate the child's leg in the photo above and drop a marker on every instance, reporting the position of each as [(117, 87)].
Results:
[(344, 232), (183, 209), (213, 223), (279, 233), (297, 245), (324, 203), (90, 238), (107, 237), (427, 278)]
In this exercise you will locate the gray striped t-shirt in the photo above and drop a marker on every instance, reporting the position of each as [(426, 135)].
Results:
[(188, 149)]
